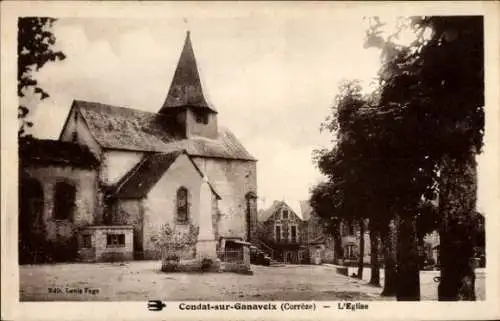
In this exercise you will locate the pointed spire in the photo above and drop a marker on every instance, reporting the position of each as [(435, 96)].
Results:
[(186, 89)]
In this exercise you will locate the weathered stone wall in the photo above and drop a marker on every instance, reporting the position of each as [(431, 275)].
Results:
[(85, 200), (101, 250), (130, 212), (193, 128), (233, 179), (115, 164), (61, 233), (160, 206)]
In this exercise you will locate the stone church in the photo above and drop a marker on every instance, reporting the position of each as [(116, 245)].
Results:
[(117, 178)]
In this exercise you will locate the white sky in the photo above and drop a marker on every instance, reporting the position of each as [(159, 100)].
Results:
[(271, 79)]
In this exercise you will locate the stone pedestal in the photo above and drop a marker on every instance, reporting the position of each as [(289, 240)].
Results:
[(206, 249), (206, 244), (246, 257)]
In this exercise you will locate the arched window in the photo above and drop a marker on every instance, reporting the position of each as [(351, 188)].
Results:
[(182, 205), (64, 201)]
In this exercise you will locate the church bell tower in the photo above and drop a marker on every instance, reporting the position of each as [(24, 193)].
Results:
[(186, 111)]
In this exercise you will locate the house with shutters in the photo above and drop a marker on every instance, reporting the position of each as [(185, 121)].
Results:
[(118, 177), (296, 234), (281, 229)]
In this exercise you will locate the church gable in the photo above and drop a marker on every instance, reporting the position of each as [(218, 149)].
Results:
[(143, 177), (76, 130)]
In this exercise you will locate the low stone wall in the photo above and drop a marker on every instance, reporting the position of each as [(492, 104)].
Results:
[(192, 265), (106, 243), (235, 267), (227, 261)]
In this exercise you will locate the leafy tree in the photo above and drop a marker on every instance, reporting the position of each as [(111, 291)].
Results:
[(346, 194), (327, 206), (434, 91), (35, 47)]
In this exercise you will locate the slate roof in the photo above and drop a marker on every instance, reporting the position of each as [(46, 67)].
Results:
[(264, 215), (53, 152), (130, 129), (141, 179), (185, 88)]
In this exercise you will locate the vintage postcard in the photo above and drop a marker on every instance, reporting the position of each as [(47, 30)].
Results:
[(250, 160)]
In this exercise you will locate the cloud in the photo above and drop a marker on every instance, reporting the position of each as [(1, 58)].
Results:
[(271, 79)]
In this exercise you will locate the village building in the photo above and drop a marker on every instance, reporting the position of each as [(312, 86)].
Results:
[(294, 235), (281, 230), (118, 179), (351, 236), (298, 236)]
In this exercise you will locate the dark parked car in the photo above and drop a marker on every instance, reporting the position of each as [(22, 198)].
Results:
[(258, 257)]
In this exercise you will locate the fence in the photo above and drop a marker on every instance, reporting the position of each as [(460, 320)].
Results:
[(233, 256), (175, 253), (294, 257)]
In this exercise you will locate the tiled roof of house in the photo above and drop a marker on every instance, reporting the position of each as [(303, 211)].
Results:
[(141, 179), (53, 152), (265, 214), (125, 128), (186, 88)]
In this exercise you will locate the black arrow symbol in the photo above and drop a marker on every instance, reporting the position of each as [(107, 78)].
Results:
[(156, 305)]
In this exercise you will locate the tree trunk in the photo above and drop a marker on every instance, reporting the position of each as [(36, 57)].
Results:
[(375, 267), (408, 277), (337, 243), (457, 201), (389, 239), (361, 248)]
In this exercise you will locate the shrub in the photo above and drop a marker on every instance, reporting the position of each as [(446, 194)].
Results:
[(206, 264), (171, 242)]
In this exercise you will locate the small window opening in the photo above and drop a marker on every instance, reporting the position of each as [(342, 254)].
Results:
[(201, 117), (86, 241), (294, 234), (115, 240)]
